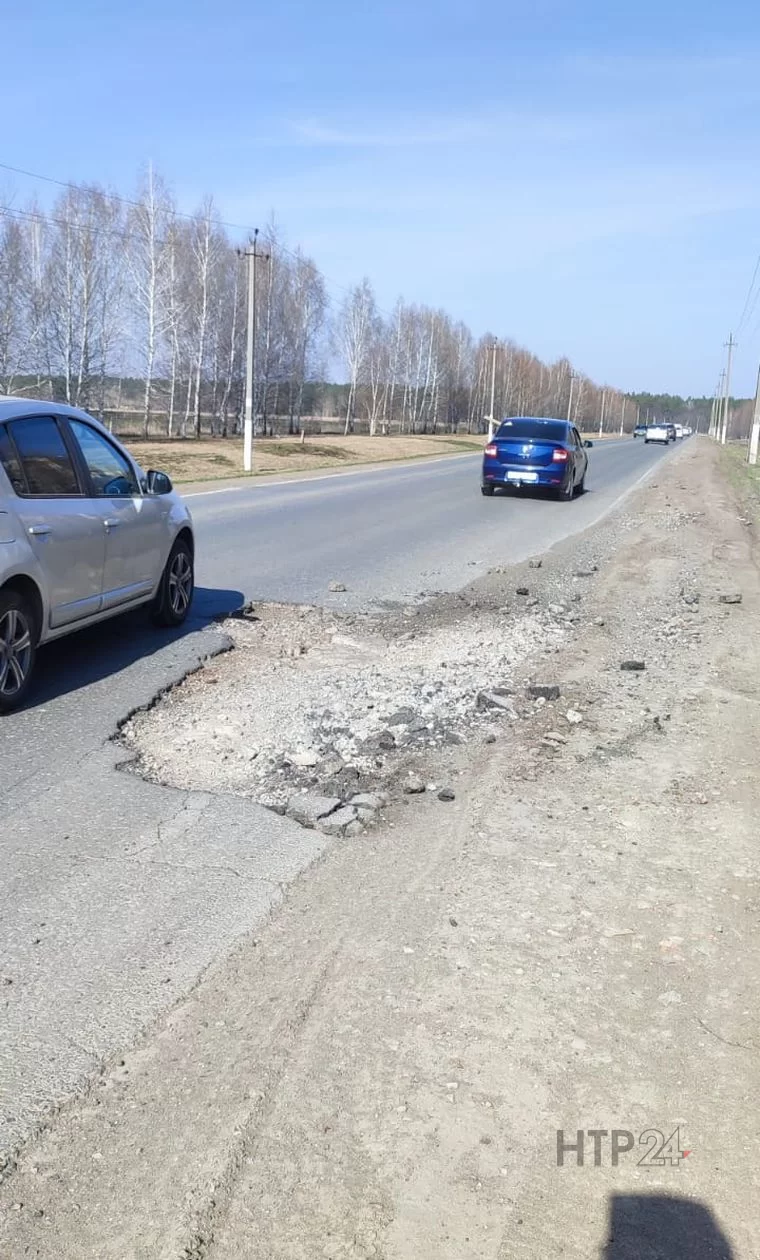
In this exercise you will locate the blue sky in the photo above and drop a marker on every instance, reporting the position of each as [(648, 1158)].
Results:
[(581, 176)]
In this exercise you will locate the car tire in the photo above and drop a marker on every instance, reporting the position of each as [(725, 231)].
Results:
[(18, 648), (581, 486), (566, 493), (487, 490), (175, 590)]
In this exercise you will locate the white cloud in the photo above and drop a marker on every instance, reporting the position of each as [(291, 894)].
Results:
[(403, 134)]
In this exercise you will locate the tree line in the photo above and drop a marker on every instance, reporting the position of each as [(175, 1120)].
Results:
[(101, 289)]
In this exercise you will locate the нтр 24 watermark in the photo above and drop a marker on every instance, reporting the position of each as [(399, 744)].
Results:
[(653, 1149)]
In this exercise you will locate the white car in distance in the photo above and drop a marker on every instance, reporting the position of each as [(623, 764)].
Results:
[(657, 433)]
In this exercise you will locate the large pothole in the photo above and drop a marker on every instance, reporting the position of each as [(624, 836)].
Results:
[(311, 704)]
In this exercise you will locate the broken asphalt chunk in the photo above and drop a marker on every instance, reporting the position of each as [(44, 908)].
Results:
[(544, 691)]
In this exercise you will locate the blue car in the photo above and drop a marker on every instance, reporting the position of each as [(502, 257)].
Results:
[(527, 451)]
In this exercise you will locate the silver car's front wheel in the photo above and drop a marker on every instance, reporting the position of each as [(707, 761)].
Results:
[(17, 649), (180, 583), (175, 592)]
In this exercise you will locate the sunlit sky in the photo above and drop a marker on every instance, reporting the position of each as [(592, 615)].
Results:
[(580, 176)]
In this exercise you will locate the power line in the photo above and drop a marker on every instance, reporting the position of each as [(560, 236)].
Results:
[(36, 216), (125, 201), (745, 309), (179, 214)]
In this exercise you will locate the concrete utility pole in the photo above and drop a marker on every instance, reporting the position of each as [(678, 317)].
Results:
[(730, 345), (570, 397), (717, 404), (601, 414), (251, 254), (622, 417), (754, 437), (492, 417)]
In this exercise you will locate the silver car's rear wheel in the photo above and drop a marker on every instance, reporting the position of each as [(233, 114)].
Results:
[(18, 637)]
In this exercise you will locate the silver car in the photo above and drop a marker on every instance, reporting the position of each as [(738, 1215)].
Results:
[(85, 534)]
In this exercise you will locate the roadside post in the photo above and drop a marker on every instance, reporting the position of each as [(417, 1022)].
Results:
[(754, 437), (492, 417), (251, 254)]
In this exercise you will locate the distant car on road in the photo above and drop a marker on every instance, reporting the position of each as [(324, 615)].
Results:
[(84, 534), (680, 430), (640, 431), (657, 433), (672, 435), (532, 451)]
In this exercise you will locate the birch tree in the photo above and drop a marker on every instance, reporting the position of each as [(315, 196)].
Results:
[(148, 228), (12, 300), (355, 321), (206, 245)]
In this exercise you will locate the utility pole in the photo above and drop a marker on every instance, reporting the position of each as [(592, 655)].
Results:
[(570, 397), (492, 417), (717, 403), (601, 414), (622, 416), (754, 437), (251, 254), (730, 345)]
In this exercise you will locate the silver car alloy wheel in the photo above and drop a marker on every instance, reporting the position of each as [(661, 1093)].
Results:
[(15, 652), (180, 583)]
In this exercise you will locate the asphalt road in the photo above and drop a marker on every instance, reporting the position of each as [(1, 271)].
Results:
[(116, 893), (391, 534)]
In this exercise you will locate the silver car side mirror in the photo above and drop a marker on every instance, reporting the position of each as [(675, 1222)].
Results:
[(158, 482)]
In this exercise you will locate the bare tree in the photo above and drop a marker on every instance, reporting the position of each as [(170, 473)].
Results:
[(100, 289), (206, 245), (147, 257), (12, 300), (356, 319)]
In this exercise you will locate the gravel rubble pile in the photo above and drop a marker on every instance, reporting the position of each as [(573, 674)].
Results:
[(307, 706)]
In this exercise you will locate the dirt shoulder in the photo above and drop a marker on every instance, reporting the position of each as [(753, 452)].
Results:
[(570, 943), (215, 459)]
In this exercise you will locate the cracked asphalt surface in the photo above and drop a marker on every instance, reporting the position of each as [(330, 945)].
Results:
[(118, 893)]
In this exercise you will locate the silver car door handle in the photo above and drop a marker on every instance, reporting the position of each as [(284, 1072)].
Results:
[(111, 522), (38, 531)]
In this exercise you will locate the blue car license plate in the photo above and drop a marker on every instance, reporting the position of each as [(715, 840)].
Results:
[(522, 476)]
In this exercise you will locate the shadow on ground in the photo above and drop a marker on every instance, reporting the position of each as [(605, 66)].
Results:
[(663, 1227), (542, 493), (89, 656)]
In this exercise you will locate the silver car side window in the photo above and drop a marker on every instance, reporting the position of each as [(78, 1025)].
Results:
[(45, 459), (11, 463), (112, 475)]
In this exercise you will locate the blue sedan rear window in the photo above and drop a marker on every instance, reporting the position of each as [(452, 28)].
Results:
[(549, 430)]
